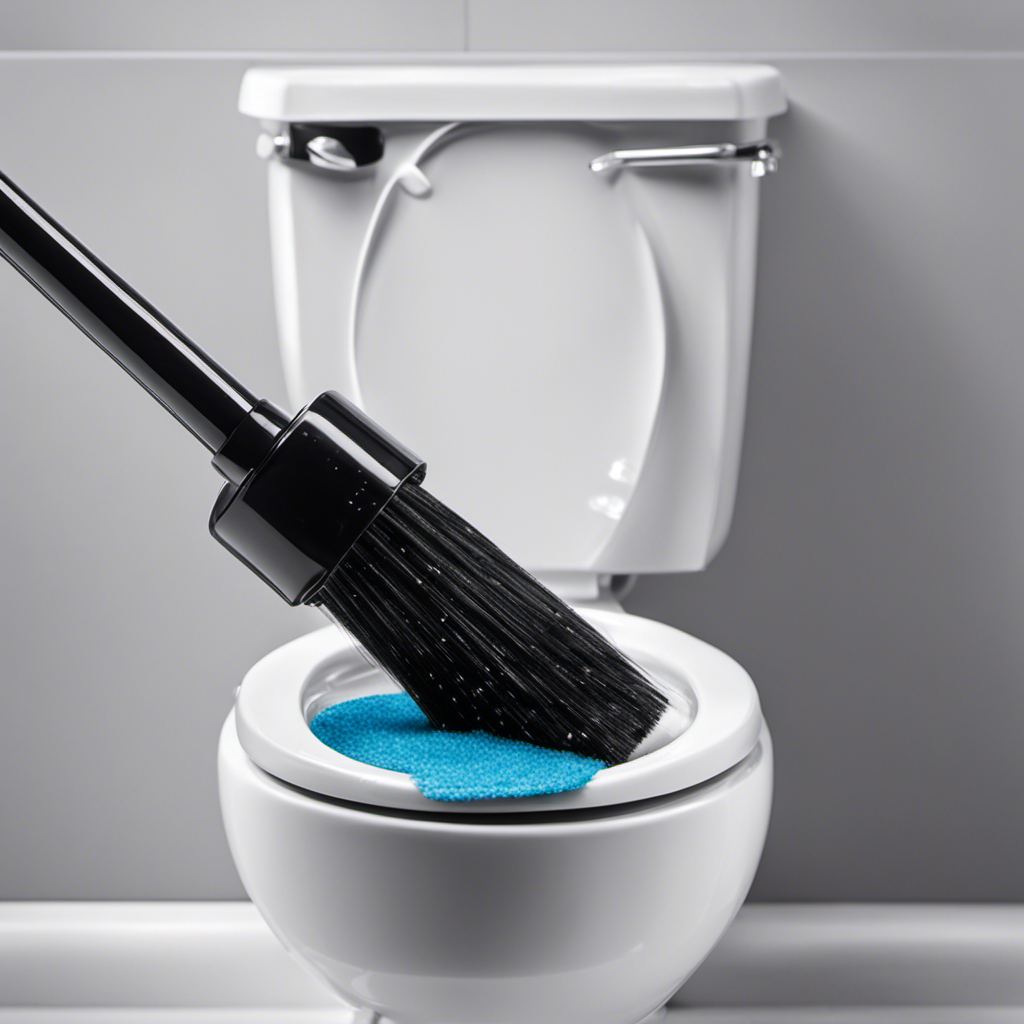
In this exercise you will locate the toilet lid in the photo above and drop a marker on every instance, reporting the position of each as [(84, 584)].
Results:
[(477, 87), (715, 712)]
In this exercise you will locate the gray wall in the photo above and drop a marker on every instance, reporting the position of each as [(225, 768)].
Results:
[(873, 580)]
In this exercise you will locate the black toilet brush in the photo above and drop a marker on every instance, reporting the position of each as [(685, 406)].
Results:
[(328, 510)]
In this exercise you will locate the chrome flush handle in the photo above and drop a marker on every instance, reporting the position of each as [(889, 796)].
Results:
[(331, 147), (330, 154), (762, 156)]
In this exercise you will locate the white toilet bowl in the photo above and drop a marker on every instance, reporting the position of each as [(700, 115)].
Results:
[(589, 907), (541, 276)]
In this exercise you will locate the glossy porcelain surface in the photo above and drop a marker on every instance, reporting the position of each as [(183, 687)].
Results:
[(585, 335), (565, 917)]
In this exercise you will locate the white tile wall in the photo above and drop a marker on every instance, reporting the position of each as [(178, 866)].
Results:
[(124, 628), (732, 25), (253, 25), (875, 573)]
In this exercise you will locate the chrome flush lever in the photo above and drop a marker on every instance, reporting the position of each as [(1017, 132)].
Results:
[(331, 147), (763, 157), (330, 154)]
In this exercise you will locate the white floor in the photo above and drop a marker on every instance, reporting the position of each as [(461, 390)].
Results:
[(211, 963)]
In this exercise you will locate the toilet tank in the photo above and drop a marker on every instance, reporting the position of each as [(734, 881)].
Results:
[(562, 333)]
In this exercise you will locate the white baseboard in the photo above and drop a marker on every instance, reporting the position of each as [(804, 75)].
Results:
[(853, 955), (214, 963)]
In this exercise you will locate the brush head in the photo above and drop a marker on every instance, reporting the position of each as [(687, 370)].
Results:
[(479, 643), (328, 510)]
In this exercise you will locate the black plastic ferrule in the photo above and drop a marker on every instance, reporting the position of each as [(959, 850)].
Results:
[(325, 478)]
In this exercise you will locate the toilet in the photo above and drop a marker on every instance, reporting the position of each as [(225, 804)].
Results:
[(541, 277)]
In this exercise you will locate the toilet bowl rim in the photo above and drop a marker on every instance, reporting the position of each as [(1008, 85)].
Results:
[(575, 821), (273, 730)]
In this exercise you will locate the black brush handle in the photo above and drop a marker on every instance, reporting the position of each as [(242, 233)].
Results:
[(179, 375), (300, 493)]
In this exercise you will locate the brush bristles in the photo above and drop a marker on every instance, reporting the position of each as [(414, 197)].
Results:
[(478, 643)]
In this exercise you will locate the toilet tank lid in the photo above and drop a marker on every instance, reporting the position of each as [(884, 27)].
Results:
[(482, 90)]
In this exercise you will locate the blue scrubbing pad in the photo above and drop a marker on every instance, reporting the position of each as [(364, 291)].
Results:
[(389, 731)]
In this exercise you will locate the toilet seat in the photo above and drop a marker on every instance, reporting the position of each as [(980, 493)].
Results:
[(717, 709)]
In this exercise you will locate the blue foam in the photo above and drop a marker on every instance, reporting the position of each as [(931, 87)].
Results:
[(389, 731)]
